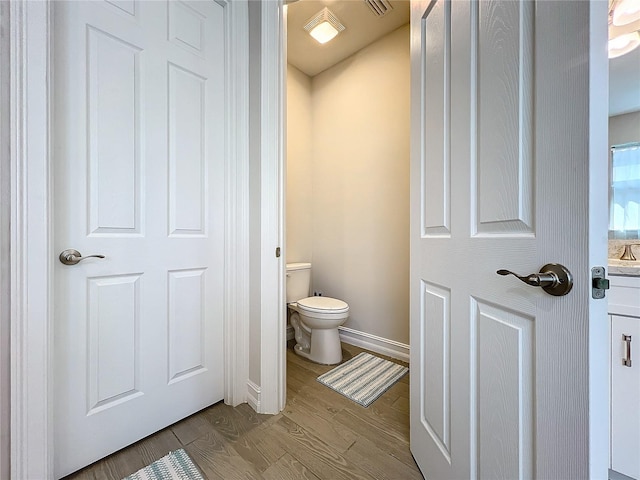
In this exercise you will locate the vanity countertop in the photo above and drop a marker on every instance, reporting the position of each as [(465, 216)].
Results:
[(624, 267)]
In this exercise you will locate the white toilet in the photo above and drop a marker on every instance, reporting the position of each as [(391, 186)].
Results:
[(314, 319)]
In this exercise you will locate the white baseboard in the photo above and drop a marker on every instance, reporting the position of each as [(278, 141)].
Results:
[(290, 333), (253, 395), (376, 344)]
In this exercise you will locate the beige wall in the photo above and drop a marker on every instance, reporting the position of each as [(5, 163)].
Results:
[(299, 180), (624, 128), (360, 186)]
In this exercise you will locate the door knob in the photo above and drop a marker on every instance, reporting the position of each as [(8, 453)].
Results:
[(71, 256), (555, 279)]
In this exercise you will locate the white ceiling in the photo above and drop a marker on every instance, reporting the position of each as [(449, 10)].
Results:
[(363, 28)]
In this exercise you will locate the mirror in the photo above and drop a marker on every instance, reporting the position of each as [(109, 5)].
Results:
[(624, 140), (624, 191)]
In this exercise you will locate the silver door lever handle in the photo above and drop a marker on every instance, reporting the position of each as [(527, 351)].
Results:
[(71, 256), (555, 279), (534, 279)]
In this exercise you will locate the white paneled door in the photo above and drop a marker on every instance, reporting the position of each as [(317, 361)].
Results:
[(504, 177), (139, 144)]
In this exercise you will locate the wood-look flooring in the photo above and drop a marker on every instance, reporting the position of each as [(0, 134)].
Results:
[(319, 435)]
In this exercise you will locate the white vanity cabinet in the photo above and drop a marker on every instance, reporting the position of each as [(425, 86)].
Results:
[(624, 309)]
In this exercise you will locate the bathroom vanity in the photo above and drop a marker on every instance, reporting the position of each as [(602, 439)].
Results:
[(624, 315)]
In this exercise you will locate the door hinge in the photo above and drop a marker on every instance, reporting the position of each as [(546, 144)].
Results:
[(277, 252), (598, 283)]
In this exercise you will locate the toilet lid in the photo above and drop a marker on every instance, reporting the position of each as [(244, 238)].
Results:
[(323, 305)]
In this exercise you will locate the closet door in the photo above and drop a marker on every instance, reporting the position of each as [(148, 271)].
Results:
[(139, 134)]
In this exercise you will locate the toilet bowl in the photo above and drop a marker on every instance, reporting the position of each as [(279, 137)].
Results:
[(315, 320)]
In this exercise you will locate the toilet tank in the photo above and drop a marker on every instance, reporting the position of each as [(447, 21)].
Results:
[(298, 281)]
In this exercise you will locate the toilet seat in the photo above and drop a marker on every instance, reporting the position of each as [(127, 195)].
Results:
[(325, 305)]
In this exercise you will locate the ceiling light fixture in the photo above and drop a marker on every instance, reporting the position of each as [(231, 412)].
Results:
[(624, 27), (622, 44), (324, 26), (626, 12)]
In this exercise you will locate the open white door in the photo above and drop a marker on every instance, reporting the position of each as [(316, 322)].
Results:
[(140, 135), (508, 172)]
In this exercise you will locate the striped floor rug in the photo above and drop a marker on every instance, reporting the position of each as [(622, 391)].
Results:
[(175, 466), (363, 378)]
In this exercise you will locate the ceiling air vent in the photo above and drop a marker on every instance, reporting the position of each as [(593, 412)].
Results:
[(379, 7)]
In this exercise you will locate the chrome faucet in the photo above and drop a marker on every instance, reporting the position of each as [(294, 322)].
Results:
[(628, 252)]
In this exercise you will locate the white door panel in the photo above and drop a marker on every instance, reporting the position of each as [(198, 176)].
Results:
[(500, 177), (139, 136)]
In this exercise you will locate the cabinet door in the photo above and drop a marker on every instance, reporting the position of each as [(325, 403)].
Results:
[(625, 396)]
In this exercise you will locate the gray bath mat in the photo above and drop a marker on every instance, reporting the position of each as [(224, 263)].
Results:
[(363, 378)]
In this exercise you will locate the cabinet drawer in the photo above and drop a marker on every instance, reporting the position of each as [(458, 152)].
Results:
[(624, 296)]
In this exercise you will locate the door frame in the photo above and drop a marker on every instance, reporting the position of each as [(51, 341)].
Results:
[(273, 63), (30, 64), (5, 257), (272, 195)]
